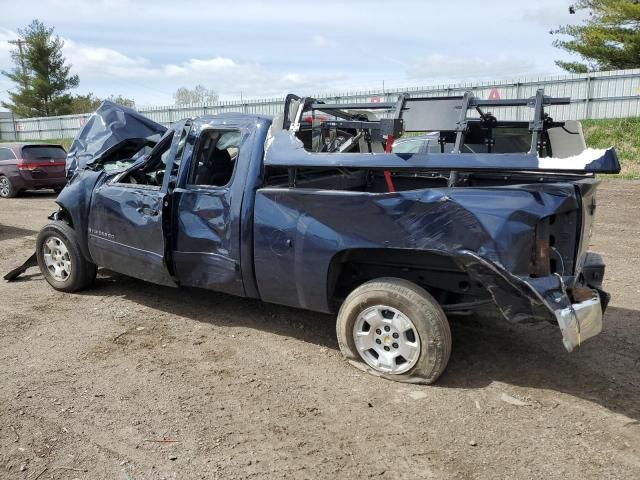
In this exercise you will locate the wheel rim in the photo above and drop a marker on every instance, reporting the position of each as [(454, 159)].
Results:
[(386, 339), (56, 258), (4, 186)]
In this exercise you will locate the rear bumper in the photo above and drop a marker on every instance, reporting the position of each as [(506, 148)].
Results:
[(575, 303), (24, 181)]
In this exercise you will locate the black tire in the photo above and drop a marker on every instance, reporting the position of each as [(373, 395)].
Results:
[(57, 190), (7, 190), (414, 303), (82, 272)]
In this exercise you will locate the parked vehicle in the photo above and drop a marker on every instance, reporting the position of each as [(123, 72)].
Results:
[(30, 166), (418, 144), (314, 214)]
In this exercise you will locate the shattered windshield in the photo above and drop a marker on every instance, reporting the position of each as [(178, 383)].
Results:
[(123, 155)]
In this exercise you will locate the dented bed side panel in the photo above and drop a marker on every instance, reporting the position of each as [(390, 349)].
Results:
[(298, 232)]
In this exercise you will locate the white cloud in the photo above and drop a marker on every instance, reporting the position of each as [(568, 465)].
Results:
[(267, 48), (5, 60), (6, 35), (552, 16), (106, 70), (436, 66), (313, 81), (98, 62), (226, 75), (202, 67), (6, 47), (320, 41)]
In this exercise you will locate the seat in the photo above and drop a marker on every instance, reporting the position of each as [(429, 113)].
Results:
[(216, 170)]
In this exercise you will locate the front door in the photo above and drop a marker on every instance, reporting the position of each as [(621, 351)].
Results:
[(206, 247), (126, 231)]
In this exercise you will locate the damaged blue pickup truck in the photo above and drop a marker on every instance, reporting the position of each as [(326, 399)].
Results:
[(316, 209)]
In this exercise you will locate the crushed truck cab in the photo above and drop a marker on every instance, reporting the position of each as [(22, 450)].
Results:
[(313, 209)]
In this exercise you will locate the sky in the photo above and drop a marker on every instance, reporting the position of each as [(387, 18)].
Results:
[(145, 50)]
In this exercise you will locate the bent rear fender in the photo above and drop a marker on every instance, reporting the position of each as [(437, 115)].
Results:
[(516, 299)]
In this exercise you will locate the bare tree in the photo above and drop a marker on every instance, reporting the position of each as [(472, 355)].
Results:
[(197, 94)]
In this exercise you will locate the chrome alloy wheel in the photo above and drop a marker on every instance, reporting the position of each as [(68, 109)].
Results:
[(56, 258), (5, 187), (386, 339)]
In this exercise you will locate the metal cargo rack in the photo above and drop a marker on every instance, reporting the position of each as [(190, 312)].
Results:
[(447, 115)]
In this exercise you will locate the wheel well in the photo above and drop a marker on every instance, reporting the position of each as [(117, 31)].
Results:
[(436, 272), (63, 215)]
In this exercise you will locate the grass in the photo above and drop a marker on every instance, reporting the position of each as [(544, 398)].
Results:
[(65, 142), (622, 133)]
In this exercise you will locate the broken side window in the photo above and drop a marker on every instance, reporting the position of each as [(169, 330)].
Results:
[(215, 158), (151, 172)]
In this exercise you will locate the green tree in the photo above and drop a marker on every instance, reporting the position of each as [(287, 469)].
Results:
[(608, 39), (84, 103), (41, 74), (89, 102), (121, 100)]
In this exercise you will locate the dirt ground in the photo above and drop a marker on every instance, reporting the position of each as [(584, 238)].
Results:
[(91, 383)]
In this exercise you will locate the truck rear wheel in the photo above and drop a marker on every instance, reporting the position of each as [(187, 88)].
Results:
[(394, 329), (60, 259)]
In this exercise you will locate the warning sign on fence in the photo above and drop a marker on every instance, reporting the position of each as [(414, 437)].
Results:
[(494, 94)]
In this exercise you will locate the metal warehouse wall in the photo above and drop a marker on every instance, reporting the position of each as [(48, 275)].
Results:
[(613, 94)]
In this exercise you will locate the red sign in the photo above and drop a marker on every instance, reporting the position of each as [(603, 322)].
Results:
[(375, 100), (494, 94)]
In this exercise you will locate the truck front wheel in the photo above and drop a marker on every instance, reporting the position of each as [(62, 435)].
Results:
[(60, 259), (393, 328)]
